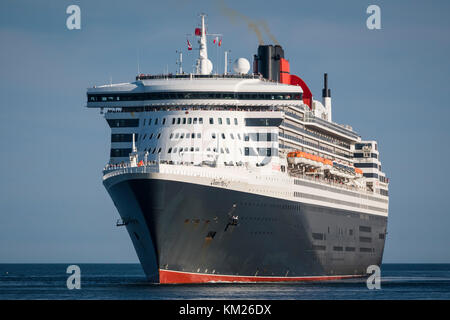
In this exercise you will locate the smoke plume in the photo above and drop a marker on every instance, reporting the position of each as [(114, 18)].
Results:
[(267, 30), (235, 15)]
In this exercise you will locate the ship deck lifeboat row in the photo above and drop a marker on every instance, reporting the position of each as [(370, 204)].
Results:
[(310, 160)]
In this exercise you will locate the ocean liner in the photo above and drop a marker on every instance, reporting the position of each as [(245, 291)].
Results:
[(241, 176)]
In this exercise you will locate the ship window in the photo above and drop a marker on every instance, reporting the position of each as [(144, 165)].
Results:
[(221, 150), (220, 120), (164, 121), (262, 122), (114, 123), (213, 135), (175, 150), (365, 229), (120, 152), (123, 137), (228, 121), (143, 123), (191, 95), (145, 136), (197, 149), (199, 135), (173, 120), (318, 236), (366, 165), (246, 151), (195, 120), (227, 150), (192, 149), (223, 135), (211, 120), (154, 151), (171, 136), (186, 149), (178, 120), (170, 150), (189, 120), (246, 137), (159, 135), (150, 136), (231, 136), (182, 136), (239, 136), (177, 135), (159, 150), (235, 121), (156, 121), (200, 120), (184, 120)]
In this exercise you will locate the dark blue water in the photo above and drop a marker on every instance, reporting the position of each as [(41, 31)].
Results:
[(127, 281)]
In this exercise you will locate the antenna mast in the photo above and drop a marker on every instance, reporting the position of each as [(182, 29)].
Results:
[(226, 63), (180, 62)]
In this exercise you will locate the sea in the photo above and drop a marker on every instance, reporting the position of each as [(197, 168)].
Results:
[(127, 281)]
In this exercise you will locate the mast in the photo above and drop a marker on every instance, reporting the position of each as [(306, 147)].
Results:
[(180, 62), (204, 65), (226, 63), (326, 96)]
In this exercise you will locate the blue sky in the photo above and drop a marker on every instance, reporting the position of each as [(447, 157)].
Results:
[(391, 85)]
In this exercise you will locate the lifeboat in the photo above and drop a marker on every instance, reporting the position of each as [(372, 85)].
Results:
[(358, 172), (305, 158), (328, 164)]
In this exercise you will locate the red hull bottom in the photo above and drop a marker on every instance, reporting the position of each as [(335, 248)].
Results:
[(169, 276)]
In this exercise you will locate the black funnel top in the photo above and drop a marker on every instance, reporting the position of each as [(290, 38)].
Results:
[(326, 93), (268, 61)]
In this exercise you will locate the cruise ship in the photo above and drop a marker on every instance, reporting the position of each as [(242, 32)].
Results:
[(241, 176)]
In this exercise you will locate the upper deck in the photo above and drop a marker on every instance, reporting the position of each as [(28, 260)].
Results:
[(194, 90)]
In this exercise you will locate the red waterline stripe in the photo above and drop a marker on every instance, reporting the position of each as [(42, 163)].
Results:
[(169, 276)]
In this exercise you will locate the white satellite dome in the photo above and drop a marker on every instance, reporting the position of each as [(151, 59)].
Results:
[(241, 65), (206, 66)]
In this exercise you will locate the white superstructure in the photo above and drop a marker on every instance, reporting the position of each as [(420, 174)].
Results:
[(242, 128)]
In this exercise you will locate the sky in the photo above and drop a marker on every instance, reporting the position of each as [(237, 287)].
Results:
[(390, 85)]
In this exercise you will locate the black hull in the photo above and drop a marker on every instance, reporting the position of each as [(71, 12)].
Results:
[(188, 228)]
